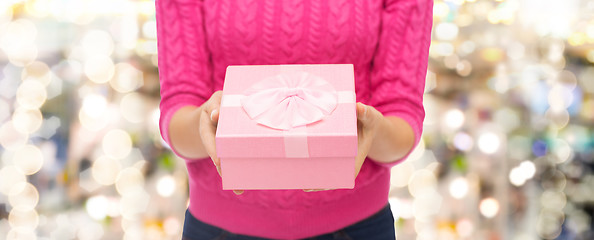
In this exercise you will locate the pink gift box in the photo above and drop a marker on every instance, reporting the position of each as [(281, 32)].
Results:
[(299, 136)]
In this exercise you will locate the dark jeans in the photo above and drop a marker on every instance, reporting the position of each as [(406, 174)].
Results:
[(380, 226)]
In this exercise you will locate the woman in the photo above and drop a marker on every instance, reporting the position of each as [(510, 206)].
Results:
[(386, 41)]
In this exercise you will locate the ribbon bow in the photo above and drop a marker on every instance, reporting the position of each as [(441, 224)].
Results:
[(290, 100)]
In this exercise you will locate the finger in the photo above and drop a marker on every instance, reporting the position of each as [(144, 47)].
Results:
[(207, 135), (361, 111), (238, 192), (214, 116), (318, 190)]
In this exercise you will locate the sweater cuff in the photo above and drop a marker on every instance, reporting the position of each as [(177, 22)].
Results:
[(168, 109)]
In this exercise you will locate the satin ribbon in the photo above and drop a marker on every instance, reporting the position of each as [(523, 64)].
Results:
[(289, 100)]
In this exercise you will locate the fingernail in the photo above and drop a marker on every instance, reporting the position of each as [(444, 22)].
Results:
[(213, 113)]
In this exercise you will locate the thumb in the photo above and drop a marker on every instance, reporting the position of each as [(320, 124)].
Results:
[(362, 111), (214, 116)]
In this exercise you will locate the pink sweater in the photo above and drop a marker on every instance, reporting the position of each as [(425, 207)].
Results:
[(386, 41)]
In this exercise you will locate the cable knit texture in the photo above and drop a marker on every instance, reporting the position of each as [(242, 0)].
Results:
[(386, 41)]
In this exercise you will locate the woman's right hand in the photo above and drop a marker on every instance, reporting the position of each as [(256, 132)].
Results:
[(209, 117)]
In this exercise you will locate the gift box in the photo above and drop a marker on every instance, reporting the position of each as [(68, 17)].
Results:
[(288, 127)]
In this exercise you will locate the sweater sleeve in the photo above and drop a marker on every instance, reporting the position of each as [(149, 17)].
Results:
[(185, 72), (400, 63)]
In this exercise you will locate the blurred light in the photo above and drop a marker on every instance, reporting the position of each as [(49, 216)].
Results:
[(560, 97), (464, 227), (129, 181), (418, 152), (567, 80), (134, 203), (146, 7), (38, 8), (489, 142), (94, 105), (22, 217), (548, 224), (451, 61), (489, 207), (454, 118), (446, 31), (117, 143), (149, 29), (93, 123), (464, 20), (539, 148), (155, 116), (37, 71), (21, 233), (516, 51), (166, 186), (10, 137), (105, 170), (427, 205), (528, 169), (27, 121), (10, 176), (459, 188), (430, 81), (127, 78), (171, 226), (586, 112), (5, 12), (562, 150), (519, 147), (97, 43), (492, 54), (4, 110), (28, 159), (90, 231), (463, 141), (23, 195), (401, 173), (96, 207), (516, 177), (422, 182), (464, 68), (31, 94), (577, 39), (99, 68), (440, 9), (553, 200), (132, 107), (467, 47), (443, 48), (18, 41), (402, 208), (507, 118), (590, 55), (69, 70)]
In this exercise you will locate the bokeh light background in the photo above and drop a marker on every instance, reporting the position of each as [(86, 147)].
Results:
[(507, 151)]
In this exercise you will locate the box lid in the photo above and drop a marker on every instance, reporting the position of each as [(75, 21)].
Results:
[(335, 135)]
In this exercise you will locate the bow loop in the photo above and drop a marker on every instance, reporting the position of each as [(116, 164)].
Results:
[(289, 100)]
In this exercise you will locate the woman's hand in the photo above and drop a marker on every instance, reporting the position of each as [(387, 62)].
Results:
[(368, 119), (209, 117), (367, 124)]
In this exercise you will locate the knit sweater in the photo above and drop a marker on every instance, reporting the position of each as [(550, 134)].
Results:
[(386, 41)]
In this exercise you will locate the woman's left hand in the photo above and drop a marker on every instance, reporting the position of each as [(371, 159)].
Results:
[(368, 119)]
